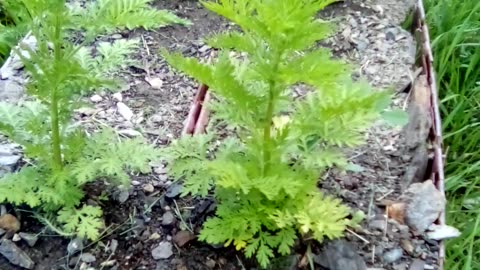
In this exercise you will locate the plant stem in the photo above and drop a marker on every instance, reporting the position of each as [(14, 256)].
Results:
[(272, 84), (56, 142)]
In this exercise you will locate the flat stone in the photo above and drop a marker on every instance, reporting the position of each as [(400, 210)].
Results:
[(30, 238), (96, 98), (340, 255), (168, 219), (417, 264), (15, 255), (88, 257), (123, 196), (124, 111), (75, 245), (162, 251), (183, 237), (443, 232), (149, 188)]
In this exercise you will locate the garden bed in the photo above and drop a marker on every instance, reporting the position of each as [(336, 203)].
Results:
[(151, 221)]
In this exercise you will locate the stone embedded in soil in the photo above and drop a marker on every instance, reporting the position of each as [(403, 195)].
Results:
[(183, 237), (417, 264), (377, 224), (9, 223), (174, 190), (30, 238), (2, 232), (168, 219), (148, 188), (124, 111), (122, 196), (393, 255), (75, 245), (162, 251), (113, 245), (9, 158), (96, 98), (118, 97), (88, 258), (156, 83), (16, 238), (424, 203), (130, 133), (408, 246), (340, 255), (15, 255)]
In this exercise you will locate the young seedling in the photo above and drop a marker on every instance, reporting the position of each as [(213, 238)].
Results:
[(64, 157), (264, 176)]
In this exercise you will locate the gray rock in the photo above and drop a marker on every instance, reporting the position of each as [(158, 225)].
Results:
[(15, 255), (75, 245), (8, 158), (162, 251), (424, 203), (10, 90), (168, 219), (30, 238), (392, 255), (113, 245), (417, 264), (88, 257), (173, 191), (377, 224), (123, 196), (2, 231), (340, 255)]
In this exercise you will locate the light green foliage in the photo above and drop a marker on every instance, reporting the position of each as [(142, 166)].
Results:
[(106, 16), (62, 157), (265, 177)]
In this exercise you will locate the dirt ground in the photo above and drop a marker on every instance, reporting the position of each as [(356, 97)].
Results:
[(369, 35)]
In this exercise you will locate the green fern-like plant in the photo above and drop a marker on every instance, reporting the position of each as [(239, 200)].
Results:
[(265, 176), (106, 16), (63, 157)]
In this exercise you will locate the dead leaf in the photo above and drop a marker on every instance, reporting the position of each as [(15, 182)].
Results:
[(9, 223), (396, 211)]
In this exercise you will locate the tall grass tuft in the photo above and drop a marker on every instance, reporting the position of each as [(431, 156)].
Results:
[(455, 31)]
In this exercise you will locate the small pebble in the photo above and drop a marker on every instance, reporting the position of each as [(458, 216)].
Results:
[(16, 238), (96, 98), (118, 97), (30, 238), (392, 255), (162, 251), (168, 219), (88, 257), (135, 183), (149, 188)]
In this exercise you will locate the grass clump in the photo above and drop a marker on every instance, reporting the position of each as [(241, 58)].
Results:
[(455, 31)]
